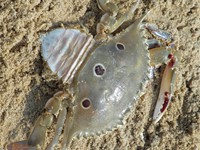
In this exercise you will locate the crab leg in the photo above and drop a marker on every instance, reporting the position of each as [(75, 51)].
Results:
[(153, 29), (108, 7), (110, 21), (160, 55), (152, 43), (53, 108), (68, 124), (37, 136), (59, 127)]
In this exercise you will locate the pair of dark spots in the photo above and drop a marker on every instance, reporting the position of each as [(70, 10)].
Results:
[(99, 69)]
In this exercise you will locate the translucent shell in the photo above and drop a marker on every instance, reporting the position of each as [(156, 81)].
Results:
[(65, 51), (127, 70)]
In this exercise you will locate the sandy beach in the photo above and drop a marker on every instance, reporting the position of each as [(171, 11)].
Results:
[(26, 82)]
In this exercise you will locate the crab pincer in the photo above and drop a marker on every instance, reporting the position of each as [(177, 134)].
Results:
[(166, 89)]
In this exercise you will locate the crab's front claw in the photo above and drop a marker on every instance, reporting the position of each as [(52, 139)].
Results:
[(21, 145), (167, 88), (163, 53)]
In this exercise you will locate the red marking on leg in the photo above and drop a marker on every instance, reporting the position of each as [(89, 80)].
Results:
[(171, 63), (166, 102), (166, 93), (170, 56)]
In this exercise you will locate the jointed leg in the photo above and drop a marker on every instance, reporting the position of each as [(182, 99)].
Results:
[(53, 107), (160, 55), (166, 89), (59, 128), (163, 54), (111, 20), (153, 29), (108, 7), (68, 124)]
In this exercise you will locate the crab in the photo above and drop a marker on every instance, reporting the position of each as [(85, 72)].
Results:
[(105, 75)]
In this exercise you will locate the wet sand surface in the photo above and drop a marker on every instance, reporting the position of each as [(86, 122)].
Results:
[(26, 83)]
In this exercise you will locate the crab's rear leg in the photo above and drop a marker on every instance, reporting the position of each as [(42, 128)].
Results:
[(163, 54), (54, 107), (112, 20), (59, 128)]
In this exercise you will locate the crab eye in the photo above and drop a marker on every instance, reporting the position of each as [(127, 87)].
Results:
[(99, 70), (86, 103), (120, 46)]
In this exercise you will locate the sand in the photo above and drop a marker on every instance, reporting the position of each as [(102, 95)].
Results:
[(26, 83)]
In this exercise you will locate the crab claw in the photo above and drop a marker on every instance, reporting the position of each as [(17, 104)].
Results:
[(166, 89), (20, 145)]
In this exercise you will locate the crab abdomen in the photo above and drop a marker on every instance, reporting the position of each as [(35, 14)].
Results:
[(110, 81), (65, 51)]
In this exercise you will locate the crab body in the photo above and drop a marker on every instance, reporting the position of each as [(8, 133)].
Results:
[(111, 93), (104, 76), (109, 79)]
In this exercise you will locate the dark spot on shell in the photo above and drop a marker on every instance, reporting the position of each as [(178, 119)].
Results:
[(120, 46), (99, 70), (86, 103)]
